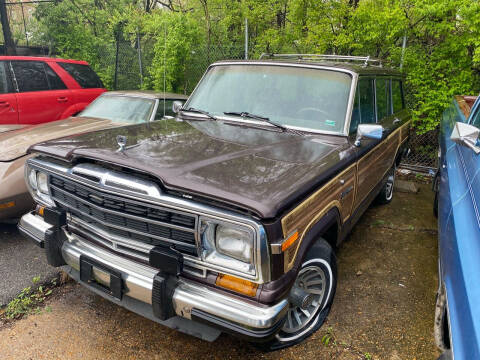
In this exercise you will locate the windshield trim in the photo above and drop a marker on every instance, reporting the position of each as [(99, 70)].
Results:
[(351, 95)]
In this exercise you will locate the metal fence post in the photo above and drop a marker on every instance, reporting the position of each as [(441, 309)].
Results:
[(115, 79), (246, 39), (139, 50)]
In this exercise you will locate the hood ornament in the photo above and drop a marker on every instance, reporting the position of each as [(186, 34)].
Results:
[(122, 143)]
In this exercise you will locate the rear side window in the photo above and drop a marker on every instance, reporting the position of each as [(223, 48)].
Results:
[(4, 79), (30, 75), (53, 79), (364, 106), (384, 107), (83, 74), (397, 96)]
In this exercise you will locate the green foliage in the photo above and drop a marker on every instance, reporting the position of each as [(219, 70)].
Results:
[(27, 301), (442, 56)]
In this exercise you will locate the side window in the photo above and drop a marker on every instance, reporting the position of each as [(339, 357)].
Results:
[(364, 105), (397, 96), (384, 107), (83, 74), (476, 119), (53, 79), (4, 78), (30, 75), (168, 109)]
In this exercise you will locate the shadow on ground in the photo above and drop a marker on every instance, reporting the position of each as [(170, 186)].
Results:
[(383, 308)]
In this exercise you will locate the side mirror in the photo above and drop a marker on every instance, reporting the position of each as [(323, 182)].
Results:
[(466, 135), (368, 131), (176, 106)]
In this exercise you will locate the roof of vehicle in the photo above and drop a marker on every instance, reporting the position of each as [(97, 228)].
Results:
[(151, 94), (357, 68), (43, 58)]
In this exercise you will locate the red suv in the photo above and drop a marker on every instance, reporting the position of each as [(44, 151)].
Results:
[(35, 90)]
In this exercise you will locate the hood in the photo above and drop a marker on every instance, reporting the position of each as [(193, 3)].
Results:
[(14, 143), (261, 170), (5, 128)]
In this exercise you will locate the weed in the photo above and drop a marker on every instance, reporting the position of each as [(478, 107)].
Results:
[(27, 301), (378, 222), (329, 337), (367, 356)]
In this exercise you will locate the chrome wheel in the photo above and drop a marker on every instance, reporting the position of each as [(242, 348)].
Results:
[(312, 282)]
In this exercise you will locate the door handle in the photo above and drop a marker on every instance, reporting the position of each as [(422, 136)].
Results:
[(396, 121), (62, 99), (4, 104)]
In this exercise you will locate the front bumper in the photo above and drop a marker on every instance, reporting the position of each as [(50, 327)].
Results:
[(207, 307)]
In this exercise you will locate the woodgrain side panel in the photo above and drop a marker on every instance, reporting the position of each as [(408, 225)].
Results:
[(338, 192), (342, 191)]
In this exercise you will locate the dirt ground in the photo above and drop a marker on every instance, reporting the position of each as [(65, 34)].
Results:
[(383, 308)]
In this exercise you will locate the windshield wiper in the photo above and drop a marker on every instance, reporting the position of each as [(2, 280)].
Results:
[(198, 111), (262, 118)]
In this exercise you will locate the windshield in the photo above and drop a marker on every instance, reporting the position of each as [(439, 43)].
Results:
[(294, 96), (120, 108)]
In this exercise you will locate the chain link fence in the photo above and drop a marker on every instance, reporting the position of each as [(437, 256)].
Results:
[(423, 152)]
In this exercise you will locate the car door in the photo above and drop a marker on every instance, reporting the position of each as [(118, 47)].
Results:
[(364, 112), (42, 96), (8, 99)]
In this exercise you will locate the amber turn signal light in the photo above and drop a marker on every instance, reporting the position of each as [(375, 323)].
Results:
[(7, 205), (287, 243), (238, 285), (40, 210)]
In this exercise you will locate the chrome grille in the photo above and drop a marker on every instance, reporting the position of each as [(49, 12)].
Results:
[(124, 218)]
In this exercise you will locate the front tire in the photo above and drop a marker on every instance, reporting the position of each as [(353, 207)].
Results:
[(386, 194), (317, 277)]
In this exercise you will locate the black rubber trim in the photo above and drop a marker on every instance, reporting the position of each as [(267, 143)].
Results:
[(29, 236), (262, 335), (162, 294)]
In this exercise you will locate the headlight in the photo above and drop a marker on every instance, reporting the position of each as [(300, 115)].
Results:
[(234, 242), (37, 184), (42, 183), (32, 178), (228, 245)]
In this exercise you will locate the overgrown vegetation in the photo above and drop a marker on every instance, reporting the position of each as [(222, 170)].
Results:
[(29, 299), (442, 56)]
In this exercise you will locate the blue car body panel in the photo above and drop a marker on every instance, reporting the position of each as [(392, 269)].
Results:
[(459, 236)]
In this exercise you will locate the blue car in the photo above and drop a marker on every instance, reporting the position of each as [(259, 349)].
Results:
[(457, 203)]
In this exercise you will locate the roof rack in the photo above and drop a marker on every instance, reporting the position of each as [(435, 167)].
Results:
[(367, 60)]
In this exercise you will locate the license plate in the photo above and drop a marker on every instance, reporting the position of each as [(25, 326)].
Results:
[(101, 277)]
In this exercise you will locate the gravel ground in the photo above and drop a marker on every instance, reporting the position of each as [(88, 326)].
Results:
[(383, 308), (20, 261)]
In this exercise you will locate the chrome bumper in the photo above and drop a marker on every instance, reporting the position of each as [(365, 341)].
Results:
[(34, 228), (190, 300)]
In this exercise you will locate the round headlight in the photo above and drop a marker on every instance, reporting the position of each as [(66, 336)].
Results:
[(42, 183), (32, 179), (234, 242)]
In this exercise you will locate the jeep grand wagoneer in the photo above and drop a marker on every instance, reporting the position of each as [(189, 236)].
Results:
[(227, 217)]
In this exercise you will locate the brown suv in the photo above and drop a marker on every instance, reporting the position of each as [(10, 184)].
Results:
[(227, 218)]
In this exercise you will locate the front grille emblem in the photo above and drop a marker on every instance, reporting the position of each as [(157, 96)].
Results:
[(122, 143)]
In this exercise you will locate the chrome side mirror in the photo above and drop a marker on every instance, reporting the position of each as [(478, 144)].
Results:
[(368, 131), (466, 135), (177, 106)]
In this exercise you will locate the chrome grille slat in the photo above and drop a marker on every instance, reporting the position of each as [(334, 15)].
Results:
[(123, 222), (172, 226), (125, 228)]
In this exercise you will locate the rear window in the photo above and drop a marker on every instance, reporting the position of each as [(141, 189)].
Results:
[(83, 74), (30, 76), (397, 96)]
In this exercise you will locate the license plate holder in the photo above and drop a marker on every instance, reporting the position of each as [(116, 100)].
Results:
[(87, 267)]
